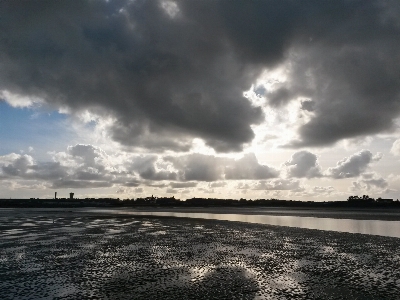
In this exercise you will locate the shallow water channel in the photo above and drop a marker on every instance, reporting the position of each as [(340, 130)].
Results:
[(373, 227)]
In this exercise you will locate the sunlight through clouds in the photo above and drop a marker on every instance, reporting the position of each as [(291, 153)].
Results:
[(276, 97)]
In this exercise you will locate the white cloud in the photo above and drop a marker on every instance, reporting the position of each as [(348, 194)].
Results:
[(218, 184), (16, 100), (81, 166), (395, 150), (323, 190), (197, 167), (145, 166), (200, 167), (170, 7), (303, 164), (278, 184), (354, 165), (248, 167)]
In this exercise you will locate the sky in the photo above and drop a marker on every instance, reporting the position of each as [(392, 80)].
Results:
[(214, 98)]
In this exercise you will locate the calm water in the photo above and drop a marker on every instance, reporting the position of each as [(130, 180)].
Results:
[(374, 227)]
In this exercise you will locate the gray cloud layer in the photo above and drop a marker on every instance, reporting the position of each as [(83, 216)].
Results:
[(354, 165), (159, 76), (171, 73), (199, 167), (369, 181), (87, 166), (278, 184)]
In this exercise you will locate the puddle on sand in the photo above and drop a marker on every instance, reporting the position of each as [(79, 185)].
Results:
[(373, 227)]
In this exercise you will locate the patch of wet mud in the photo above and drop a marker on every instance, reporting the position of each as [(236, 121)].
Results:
[(77, 257)]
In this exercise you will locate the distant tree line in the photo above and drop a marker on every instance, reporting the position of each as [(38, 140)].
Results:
[(352, 201), (365, 199)]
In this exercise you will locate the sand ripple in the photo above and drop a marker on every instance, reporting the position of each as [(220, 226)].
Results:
[(108, 257)]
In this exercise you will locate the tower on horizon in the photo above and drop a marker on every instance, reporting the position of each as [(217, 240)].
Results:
[(55, 195), (71, 196)]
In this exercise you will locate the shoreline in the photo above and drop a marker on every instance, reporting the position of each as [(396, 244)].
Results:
[(334, 213), (353, 213)]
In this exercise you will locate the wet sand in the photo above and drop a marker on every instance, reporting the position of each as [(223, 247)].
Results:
[(89, 256)]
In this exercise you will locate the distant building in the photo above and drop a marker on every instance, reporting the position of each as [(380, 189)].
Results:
[(55, 195), (71, 196)]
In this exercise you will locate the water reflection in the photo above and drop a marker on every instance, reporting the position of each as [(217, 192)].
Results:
[(374, 227)]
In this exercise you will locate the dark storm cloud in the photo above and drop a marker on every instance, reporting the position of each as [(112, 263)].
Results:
[(350, 70), (167, 75), (279, 97), (342, 55), (354, 165), (307, 105), (164, 79)]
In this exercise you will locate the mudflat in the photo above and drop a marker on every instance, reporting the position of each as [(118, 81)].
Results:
[(76, 255)]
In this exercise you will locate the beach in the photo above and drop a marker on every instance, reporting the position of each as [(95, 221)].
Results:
[(75, 255)]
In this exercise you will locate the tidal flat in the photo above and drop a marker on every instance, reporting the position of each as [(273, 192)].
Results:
[(76, 255)]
